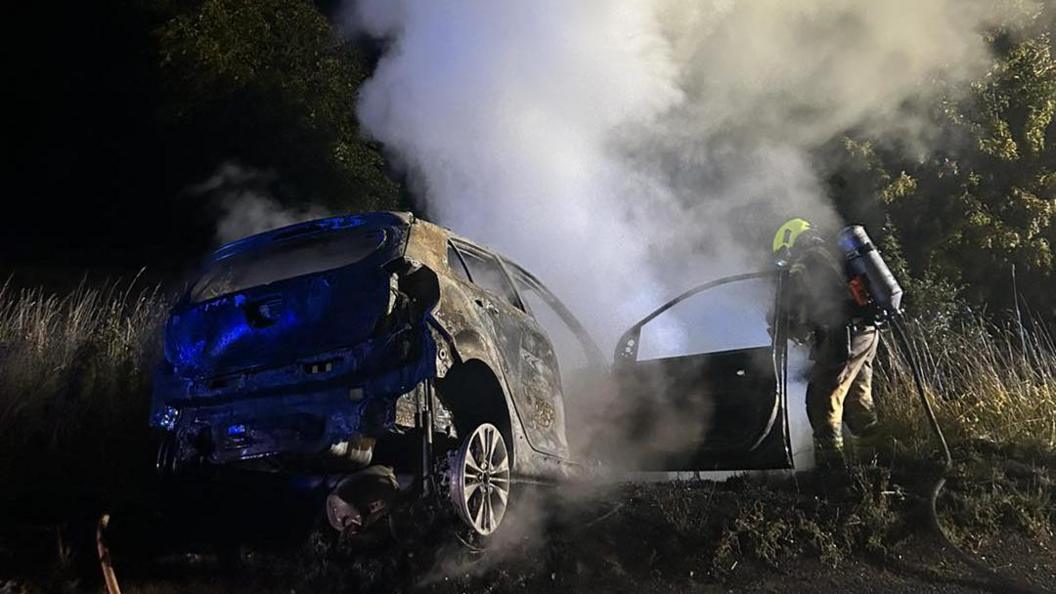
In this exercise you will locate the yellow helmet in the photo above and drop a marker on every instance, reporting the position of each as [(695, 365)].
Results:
[(788, 233)]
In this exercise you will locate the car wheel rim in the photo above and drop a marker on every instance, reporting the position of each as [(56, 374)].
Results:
[(481, 485)]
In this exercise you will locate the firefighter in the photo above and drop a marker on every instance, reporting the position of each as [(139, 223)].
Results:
[(842, 336)]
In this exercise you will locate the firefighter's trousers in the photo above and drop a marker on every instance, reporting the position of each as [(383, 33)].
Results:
[(841, 386)]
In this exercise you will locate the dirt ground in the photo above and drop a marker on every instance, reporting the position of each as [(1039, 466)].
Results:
[(923, 567), (811, 534)]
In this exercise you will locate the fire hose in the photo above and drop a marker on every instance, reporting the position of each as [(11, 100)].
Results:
[(873, 287), (1006, 583), (105, 563)]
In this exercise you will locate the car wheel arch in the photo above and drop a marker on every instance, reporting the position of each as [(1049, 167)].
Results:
[(471, 389)]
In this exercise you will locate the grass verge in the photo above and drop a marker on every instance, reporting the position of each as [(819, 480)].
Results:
[(74, 389)]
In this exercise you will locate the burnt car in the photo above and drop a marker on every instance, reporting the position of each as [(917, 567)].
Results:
[(397, 362), (380, 352)]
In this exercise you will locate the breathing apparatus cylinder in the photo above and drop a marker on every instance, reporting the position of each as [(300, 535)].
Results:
[(870, 280)]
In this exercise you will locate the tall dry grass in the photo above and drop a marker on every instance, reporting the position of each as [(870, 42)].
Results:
[(989, 382), (74, 389)]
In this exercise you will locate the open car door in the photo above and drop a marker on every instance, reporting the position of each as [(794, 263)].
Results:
[(720, 409)]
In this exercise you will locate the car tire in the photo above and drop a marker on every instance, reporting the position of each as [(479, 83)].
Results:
[(479, 485)]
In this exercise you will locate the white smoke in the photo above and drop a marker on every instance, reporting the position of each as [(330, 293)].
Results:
[(246, 204), (504, 113), (626, 149)]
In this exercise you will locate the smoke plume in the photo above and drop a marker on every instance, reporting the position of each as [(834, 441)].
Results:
[(243, 196), (625, 150)]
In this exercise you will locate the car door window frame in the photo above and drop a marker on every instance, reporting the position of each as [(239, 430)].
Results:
[(463, 248), (459, 267), (627, 347)]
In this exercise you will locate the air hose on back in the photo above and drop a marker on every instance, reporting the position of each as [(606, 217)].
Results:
[(872, 285)]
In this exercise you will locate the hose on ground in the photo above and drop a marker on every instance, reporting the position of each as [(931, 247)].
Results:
[(1005, 582)]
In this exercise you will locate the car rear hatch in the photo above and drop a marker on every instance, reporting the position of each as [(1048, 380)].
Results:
[(286, 295)]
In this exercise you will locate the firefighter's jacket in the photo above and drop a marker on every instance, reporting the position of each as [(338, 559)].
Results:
[(822, 310)]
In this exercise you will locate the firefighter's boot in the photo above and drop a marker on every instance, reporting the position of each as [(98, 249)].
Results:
[(829, 455)]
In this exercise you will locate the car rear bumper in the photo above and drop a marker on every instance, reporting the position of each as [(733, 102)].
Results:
[(301, 409), (255, 427)]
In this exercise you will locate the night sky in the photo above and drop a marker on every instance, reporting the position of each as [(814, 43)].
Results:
[(96, 179), (86, 166)]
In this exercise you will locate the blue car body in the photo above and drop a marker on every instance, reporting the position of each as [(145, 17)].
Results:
[(287, 349), (285, 367)]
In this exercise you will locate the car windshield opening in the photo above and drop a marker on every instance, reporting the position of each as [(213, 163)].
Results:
[(288, 258)]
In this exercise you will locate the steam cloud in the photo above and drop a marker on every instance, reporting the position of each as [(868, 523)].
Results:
[(246, 205), (626, 149)]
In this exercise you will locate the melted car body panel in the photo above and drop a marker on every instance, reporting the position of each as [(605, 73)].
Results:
[(524, 355)]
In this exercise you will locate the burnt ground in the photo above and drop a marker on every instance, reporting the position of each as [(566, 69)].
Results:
[(865, 532)]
